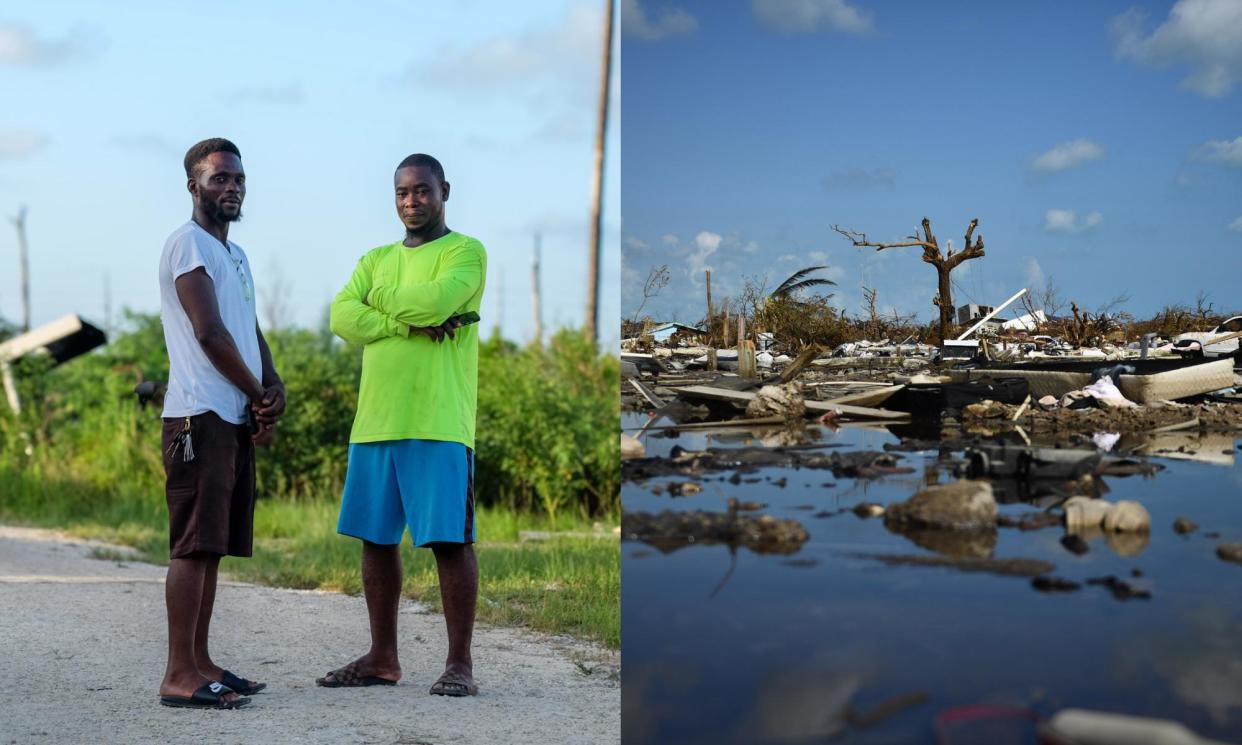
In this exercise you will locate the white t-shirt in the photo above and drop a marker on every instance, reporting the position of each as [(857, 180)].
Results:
[(194, 384)]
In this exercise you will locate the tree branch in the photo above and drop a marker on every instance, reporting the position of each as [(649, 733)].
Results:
[(860, 240)]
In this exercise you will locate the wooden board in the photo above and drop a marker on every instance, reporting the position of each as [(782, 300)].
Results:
[(870, 398), (744, 397)]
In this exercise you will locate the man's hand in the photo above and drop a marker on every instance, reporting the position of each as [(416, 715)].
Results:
[(438, 333), (265, 437), (272, 406)]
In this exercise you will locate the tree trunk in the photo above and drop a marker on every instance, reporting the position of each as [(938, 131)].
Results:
[(944, 299)]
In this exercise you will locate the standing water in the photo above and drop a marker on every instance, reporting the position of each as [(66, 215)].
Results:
[(841, 635)]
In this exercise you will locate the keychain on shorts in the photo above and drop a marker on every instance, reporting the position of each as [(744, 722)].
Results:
[(184, 441)]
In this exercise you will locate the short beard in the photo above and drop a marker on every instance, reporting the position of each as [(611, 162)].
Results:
[(216, 213)]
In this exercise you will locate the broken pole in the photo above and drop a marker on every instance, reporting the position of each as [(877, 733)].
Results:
[(746, 366), (23, 262), (800, 362), (710, 327), (991, 315)]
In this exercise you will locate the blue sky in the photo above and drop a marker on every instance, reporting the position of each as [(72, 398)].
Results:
[(1098, 143), (324, 99)]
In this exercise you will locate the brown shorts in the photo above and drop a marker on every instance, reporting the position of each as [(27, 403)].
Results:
[(211, 497)]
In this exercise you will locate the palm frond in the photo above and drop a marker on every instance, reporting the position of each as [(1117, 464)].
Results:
[(799, 281)]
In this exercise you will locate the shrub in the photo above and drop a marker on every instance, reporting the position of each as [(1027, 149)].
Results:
[(547, 427)]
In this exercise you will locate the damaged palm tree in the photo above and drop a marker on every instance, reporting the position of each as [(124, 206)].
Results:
[(799, 281), (931, 254)]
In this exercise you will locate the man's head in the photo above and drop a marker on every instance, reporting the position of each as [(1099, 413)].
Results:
[(421, 192), (215, 179)]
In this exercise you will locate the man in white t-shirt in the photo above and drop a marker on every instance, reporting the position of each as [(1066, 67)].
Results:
[(224, 397)]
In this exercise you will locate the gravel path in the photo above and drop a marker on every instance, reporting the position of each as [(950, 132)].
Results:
[(83, 648)]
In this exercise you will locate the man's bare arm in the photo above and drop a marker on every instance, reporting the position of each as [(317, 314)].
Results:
[(197, 294), (272, 407)]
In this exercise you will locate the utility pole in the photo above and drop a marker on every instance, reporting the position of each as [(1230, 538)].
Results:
[(23, 261), (536, 310), (597, 185)]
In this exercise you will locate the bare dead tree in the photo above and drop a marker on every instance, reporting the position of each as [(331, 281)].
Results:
[(657, 279), (873, 318), (943, 263), (1203, 308)]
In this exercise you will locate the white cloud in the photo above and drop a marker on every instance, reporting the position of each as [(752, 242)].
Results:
[(1205, 35), (1068, 155), (789, 259), (20, 46), (1222, 151), (810, 16), (18, 144), (670, 239), (669, 22), (707, 240), (819, 257), (541, 66), (1066, 221), (751, 247), (1034, 273), (634, 243), (1236, 225), (697, 262)]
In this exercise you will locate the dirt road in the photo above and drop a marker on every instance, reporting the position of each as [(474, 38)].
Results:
[(82, 649)]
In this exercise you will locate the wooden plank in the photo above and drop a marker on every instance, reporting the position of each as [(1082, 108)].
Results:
[(859, 383), (800, 362), (652, 398), (873, 397), (1224, 337), (744, 397)]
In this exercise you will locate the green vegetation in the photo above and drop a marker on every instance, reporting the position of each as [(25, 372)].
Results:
[(84, 456)]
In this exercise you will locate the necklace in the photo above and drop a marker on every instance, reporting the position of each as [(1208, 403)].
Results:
[(236, 262), (241, 274)]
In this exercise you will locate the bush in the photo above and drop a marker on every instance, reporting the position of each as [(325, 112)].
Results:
[(547, 428)]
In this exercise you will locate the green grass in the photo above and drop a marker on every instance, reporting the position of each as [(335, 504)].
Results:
[(569, 586)]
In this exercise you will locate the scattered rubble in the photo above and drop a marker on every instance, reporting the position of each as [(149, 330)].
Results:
[(669, 531), (1230, 552), (783, 401), (1004, 567), (961, 505)]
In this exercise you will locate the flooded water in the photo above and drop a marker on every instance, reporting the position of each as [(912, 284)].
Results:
[(725, 645)]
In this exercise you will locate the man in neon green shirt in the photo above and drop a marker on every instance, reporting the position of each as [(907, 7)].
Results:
[(411, 451)]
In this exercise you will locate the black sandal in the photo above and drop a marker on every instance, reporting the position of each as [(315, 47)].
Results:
[(208, 696), (239, 684)]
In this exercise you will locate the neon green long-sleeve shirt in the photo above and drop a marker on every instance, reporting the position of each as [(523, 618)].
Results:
[(413, 387)]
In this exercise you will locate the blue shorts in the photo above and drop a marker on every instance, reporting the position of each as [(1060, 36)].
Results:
[(427, 485)]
